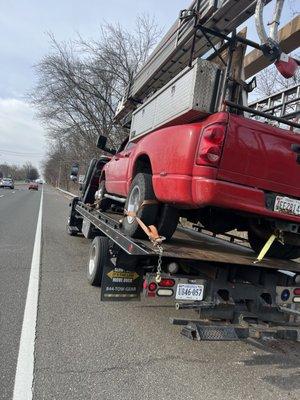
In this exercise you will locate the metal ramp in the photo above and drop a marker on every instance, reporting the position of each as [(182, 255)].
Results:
[(284, 104), (183, 43)]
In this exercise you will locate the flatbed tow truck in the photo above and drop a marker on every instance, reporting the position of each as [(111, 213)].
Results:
[(234, 293), (234, 296)]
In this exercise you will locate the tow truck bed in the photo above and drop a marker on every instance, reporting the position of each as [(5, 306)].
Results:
[(186, 244), (233, 297)]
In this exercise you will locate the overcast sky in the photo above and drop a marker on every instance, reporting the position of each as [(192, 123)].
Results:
[(23, 41)]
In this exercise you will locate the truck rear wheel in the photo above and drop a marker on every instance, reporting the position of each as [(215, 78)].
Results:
[(277, 250), (168, 218), (98, 258), (141, 190)]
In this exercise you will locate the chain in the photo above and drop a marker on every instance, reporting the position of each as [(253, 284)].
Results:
[(159, 263)]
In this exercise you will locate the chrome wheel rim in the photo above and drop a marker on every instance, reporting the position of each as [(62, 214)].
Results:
[(92, 261), (101, 192), (134, 202)]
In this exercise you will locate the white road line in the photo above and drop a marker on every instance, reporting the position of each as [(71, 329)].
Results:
[(25, 364)]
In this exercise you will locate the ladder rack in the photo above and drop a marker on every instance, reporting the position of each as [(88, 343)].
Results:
[(284, 104), (183, 43)]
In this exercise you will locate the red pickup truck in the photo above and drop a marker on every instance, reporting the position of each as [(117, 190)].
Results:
[(226, 172)]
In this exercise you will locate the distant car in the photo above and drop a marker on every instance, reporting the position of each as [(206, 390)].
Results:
[(7, 183), (40, 181), (33, 186)]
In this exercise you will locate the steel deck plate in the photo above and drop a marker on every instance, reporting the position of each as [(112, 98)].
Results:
[(185, 244)]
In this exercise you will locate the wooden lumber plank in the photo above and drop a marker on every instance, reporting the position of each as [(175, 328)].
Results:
[(289, 37)]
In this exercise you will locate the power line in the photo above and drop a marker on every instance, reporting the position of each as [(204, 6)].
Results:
[(19, 153)]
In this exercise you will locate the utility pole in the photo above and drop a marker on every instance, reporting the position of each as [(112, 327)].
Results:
[(59, 174)]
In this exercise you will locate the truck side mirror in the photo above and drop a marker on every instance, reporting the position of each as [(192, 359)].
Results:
[(74, 172), (101, 142)]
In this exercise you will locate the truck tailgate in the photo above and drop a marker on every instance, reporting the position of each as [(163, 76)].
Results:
[(260, 155)]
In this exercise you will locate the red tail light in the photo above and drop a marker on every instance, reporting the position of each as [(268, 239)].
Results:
[(297, 292), (167, 283), (152, 287), (211, 145)]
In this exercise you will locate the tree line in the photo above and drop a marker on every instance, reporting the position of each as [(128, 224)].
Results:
[(78, 88), (26, 171)]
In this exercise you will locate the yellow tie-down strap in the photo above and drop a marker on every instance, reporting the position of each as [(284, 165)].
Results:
[(266, 248)]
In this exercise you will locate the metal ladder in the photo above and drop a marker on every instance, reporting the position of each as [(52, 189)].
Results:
[(183, 43), (284, 104)]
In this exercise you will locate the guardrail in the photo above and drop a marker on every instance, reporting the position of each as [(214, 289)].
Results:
[(68, 193)]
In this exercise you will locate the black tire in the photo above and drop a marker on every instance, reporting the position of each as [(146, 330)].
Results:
[(168, 218), (71, 230), (104, 204), (98, 257), (142, 183), (277, 250)]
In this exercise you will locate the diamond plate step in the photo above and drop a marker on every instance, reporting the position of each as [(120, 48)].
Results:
[(210, 333)]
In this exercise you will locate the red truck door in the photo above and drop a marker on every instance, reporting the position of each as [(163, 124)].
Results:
[(117, 170)]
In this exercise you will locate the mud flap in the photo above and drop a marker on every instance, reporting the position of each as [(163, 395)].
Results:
[(74, 223), (121, 282)]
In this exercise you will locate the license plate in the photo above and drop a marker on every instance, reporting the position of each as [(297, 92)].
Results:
[(286, 205), (189, 291)]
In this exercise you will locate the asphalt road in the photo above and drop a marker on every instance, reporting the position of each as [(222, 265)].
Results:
[(89, 350), (18, 216)]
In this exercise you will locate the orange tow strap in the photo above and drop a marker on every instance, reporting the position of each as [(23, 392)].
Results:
[(155, 239), (150, 231)]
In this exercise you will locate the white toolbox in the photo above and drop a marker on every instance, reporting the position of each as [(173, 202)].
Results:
[(192, 94)]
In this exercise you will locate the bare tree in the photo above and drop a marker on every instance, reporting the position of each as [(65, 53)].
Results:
[(27, 171), (294, 8), (270, 81), (80, 84)]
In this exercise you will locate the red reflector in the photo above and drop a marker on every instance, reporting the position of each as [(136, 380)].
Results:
[(167, 283), (297, 292), (152, 286), (145, 285), (287, 66), (151, 294)]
